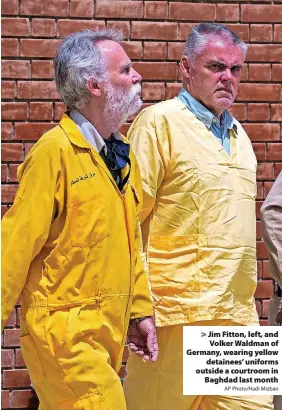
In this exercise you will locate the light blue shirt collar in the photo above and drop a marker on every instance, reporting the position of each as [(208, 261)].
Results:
[(203, 114)]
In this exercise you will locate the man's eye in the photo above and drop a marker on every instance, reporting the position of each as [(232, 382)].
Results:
[(126, 70), (236, 69), (216, 67)]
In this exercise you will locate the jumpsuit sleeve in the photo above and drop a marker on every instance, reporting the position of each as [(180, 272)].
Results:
[(150, 155), (271, 218), (146, 147), (26, 225)]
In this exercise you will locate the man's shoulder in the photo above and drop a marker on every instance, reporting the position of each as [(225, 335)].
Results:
[(164, 107), (52, 141)]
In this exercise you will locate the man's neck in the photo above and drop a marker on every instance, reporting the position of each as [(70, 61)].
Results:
[(96, 118)]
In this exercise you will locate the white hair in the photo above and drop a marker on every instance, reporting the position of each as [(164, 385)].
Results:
[(203, 32), (78, 59)]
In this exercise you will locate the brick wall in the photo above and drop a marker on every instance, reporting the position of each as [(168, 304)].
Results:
[(154, 32)]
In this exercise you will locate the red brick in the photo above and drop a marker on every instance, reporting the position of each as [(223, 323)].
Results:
[(184, 30), (261, 13), (263, 132), (154, 31), (124, 26), (60, 108), (263, 322), (40, 111), (10, 7), (258, 307), (153, 91), (13, 174), (175, 51), (264, 288), (50, 8), (276, 112), (227, 12), (66, 27), (259, 92), (258, 230), (42, 69), (81, 8), (278, 33), (259, 72), (133, 49), (245, 73), (11, 336), (267, 187), (157, 71), (19, 359), (14, 111), (155, 10), (172, 90), (276, 72), (4, 173), (38, 48), (192, 11), (4, 209), (7, 131), (20, 399), (41, 90), (9, 47), (260, 151), (239, 111), (277, 169), (242, 30), (265, 171), (8, 89), (7, 358), (15, 27), (261, 33), (274, 152), (43, 27), (28, 146), (265, 308), (15, 378), (119, 9), (258, 112), (31, 131), (5, 399), (12, 151), (259, 184), (15, 69), (266, 53), (154, 50), (11, 322), (266, 270)]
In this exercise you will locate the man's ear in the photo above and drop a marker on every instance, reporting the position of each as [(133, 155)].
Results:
[(185, 67), (93, 87)]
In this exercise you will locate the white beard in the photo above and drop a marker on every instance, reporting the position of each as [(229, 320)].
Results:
[(120, 104)]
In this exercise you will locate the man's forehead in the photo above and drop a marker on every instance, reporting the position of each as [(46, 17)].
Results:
[(220, 50), (113, 53)]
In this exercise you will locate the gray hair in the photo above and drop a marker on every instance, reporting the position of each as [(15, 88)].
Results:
[(201, 33), (78, 59)]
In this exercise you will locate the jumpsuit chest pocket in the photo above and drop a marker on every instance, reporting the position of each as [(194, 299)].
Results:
[(88, 222)]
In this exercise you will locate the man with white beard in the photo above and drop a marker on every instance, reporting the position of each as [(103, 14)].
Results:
[(71, 241)]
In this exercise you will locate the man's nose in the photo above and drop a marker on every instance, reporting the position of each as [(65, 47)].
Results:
[(227, 75), (136, 77)]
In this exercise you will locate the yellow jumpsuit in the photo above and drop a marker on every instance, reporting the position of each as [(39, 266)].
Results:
[(199, 233), (71, 241)]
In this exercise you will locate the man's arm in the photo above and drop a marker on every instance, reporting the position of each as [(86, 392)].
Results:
[(26, 225), (271, 218)]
